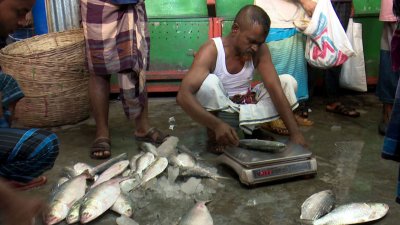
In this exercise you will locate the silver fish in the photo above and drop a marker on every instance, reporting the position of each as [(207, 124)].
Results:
[(354, 213), (262, 145), (70, 192), (80, 167), (123, 220), (133, 161), (317, 205), (99, 199), (168, 147), (182, 160), (111, 172), (73, 214), (184, 149), (148, 147), (155, 169), (198, 171), (143, 162), (123, 205), (69, 172), (126, 173), (105, 165), (197, 215)]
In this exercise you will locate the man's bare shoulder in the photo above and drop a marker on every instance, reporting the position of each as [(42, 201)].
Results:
[(208, 48), (263, 54)]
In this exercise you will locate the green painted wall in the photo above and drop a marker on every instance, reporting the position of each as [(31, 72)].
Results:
[(228, 8), (173, 41), (176, 8)]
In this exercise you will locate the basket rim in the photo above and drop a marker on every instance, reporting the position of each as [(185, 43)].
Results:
[(5, 52)]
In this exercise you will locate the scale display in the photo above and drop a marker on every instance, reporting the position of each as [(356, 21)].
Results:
[(258, 167)]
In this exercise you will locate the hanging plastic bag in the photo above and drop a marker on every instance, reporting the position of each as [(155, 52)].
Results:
[(353, 74), (327, 44)]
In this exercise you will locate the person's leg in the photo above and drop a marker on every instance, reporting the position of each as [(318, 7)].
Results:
[(387, 80), (135, 104), (288, 58), (332, 75), (99, 90), (25, 155)]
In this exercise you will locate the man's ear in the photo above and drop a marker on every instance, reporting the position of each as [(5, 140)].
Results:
[(235, 27)]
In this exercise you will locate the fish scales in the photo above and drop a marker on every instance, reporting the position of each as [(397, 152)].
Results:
[(99, 199), (197, 215), (354, 213), (317, 205), (70, 192)]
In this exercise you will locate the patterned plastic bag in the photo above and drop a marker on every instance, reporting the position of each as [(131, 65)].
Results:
[(327, 43)]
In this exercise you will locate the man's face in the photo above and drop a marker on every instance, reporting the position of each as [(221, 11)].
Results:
[(11, 12), (250, 40)]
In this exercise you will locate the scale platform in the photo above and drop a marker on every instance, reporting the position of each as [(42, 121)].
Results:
[(255, 166)]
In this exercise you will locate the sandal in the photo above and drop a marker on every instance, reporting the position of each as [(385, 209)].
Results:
[(36, 182), (303, 121), (276, 126), (302, 110), (343, 110), (154, 136), (100, 145)]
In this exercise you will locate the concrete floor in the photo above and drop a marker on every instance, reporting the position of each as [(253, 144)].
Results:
[(347, 151)]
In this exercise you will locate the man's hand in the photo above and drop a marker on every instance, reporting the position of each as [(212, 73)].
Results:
[(24, 212), (21, 210), (298, 138), (308, 6), (226, 135)]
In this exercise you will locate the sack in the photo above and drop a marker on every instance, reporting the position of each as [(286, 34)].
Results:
[(327, 44), (353, 74)]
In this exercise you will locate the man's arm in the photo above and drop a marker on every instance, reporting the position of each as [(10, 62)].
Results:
[(203, 62), (308, 6), (272, 83), (16, 209)]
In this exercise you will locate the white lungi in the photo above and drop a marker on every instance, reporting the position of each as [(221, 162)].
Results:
[(213, 97)]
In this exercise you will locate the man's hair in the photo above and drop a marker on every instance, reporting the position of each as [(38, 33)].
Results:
[(251, 15)]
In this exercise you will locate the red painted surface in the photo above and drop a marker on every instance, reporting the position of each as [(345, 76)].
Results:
[(217, 26), (210, 2)]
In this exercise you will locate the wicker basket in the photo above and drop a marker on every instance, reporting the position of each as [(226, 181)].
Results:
[(50, 70), (50, 112), (55, 56)]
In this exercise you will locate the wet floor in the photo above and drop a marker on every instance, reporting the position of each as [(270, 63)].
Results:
[(347, 152)]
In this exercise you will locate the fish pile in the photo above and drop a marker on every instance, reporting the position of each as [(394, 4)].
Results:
[(317, 210), (86, 192)]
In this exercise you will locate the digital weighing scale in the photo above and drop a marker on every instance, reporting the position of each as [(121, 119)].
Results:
[(254, 166)]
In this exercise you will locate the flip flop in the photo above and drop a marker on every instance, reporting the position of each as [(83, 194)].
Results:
[(36, 182), (276, 126), (101, 145), (303, 121), (154, 136), (343, 110)]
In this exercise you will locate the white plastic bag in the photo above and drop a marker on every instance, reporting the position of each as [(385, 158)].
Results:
[(353, 74), (327, 44)]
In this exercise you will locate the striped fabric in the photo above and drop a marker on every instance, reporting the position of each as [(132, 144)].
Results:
[(288, 58), (26, 153), (118, 42), (9, 89), (116, 36)]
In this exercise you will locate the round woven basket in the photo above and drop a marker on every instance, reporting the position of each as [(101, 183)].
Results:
[(50, 70)]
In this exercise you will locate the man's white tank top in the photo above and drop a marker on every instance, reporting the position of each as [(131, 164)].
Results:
[(238, 83)]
